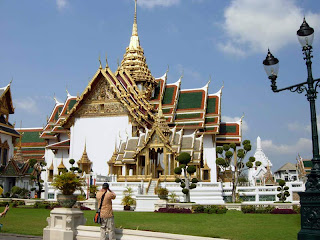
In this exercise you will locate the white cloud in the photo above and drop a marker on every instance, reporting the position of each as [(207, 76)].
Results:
[(298, 127), (156, 3), (61, 4), (302, 145), (189, 73), (28, 105), (245, 126), (253, 26)]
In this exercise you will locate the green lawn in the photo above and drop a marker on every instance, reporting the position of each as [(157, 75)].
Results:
[(233, 225)]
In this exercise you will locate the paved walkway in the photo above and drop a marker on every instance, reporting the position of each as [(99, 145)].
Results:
[(6, 236)]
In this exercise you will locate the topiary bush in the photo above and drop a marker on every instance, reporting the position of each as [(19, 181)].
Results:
[(248, 209), (185, 171), (283, 189), (283, 211), (173, 210)]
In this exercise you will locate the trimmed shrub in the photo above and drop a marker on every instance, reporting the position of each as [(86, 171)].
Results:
[(283, 211), (248, 209), (296, 208), (173, 210), (198, 209)]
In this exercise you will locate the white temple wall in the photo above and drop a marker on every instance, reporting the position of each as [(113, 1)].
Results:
[(100, 134), (8, 138), (50, 157), (209, 155)]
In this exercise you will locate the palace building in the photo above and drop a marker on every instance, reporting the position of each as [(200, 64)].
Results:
[(130, 125)]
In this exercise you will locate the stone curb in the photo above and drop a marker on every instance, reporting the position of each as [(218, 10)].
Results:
[(19, 236)]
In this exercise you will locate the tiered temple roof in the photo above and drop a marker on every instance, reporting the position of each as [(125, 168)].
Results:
[(31, 146)]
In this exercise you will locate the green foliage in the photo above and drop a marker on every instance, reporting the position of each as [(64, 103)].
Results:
[(191, 169), (177, 170), (247, 147), (198, 208), (221, 161), (185, 191), (182, 185), (249, 164), (163, 191), (177, 180), (127, 199), (252, 159), (254, 209), (194, 180), (81, 197), (193, 185), (226, 147), (32, 162), (283, 189), (93, 189), (296, 208), (245, 142), (229, 154), (219, 150), (72, 161), (233, 146), (282, 183), (184, 158), (258, 163), (67, 183), (172, 198), (240, 153), (182, 165)]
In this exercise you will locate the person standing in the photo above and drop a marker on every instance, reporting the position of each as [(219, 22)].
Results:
[(106, 214)]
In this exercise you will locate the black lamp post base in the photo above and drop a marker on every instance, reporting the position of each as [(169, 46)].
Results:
[(310, 215)]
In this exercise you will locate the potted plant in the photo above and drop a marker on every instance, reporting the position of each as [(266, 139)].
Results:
[(93, 189), (128, 200), (67, 183), (162, 193)]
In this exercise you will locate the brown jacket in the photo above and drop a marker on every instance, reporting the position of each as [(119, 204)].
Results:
[(106, 209)]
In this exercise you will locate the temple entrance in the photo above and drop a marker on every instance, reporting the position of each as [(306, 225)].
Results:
[(156, 162)]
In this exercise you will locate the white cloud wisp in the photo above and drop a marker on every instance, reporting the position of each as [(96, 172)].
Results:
[(252, 26), (61, 4), (302, 145), (157, 3)]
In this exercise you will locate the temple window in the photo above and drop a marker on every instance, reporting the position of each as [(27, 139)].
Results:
[(4, 153), (205, 174)]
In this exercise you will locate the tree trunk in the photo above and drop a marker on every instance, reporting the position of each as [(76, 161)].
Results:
[(187, 182)]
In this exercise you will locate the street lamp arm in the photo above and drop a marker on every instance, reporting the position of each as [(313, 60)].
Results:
[(299, 88)]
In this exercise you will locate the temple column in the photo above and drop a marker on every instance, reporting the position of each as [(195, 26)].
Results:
[(147, 163), (165, 161), (137, 166), (124, 170)]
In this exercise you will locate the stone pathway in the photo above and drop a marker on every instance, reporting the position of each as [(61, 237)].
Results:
[(7, 236)]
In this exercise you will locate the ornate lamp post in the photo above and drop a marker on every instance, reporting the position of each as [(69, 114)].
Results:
[(310, 199)]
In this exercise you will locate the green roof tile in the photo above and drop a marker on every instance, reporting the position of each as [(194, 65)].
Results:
[(190, 100), (307, 163), (186, 116), (31, 137), (224, 129), (168, 95), (211, 106)]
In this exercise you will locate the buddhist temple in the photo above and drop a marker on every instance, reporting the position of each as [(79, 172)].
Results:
[(131, 125)]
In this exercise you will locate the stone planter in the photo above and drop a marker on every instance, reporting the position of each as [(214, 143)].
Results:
[(126, 208), (67, 201)]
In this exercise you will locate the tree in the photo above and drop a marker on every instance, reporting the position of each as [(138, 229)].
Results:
[(38, 167), (73, 169), (230, 159), (283, 189), (185, 171)]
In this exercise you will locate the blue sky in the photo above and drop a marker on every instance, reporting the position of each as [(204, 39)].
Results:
[(48, 45)]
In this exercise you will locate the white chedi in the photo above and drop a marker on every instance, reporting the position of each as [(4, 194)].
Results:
[(257, 172)]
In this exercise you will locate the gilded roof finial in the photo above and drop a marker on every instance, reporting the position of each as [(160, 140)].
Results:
[(100, 67), (160, 113), (107, 65), (167, 69), (135, 25), (55, 99), (68, 94)]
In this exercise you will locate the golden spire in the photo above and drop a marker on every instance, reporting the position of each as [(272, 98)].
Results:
[(135, 25), (107, 65), (134, 60), (61, 165)]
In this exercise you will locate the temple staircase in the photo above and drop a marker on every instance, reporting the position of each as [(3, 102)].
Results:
[(151, 188)]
